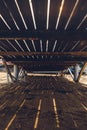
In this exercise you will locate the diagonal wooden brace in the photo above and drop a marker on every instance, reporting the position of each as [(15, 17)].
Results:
[(81, 72), (8, 70)]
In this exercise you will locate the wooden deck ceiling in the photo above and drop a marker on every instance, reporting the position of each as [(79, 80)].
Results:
[(42, 31)]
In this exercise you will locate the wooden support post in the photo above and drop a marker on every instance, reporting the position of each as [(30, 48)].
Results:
[(76, 73), (22, 74), (7, 69), (71, 73), (81, 72), (7, 77), (16, 71), (62, 74)]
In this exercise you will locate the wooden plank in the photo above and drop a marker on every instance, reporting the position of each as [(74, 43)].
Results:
[(54, 98), (44, 63), (37, 35), (20, 53), (7, 69), (55, 58)]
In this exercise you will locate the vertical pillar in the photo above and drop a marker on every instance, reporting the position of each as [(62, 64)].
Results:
[(61, 74), (8, 70), (71, 73), (16, 71), (24, 74), (76, 73), (7, 77)]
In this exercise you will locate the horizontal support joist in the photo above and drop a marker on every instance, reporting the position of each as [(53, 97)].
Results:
[(37, 35), (55, 58), (81, 54), (42, 63)]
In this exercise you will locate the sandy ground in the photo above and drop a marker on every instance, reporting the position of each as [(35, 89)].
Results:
[(3, 77), (83, 79)]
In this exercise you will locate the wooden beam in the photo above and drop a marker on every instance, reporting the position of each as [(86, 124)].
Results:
[(11, 53), (44, 62), (81, 72), (55, 58), (46, 34), (8, 70)]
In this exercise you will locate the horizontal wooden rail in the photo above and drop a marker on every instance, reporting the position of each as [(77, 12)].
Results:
[(20, 53), (46, 34)]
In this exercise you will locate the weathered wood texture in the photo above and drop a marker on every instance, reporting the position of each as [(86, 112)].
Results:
[(57, 103)]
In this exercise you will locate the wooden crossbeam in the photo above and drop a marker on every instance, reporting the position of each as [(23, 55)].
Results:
[(48, 35), (11, 53), (45, 62), (8, 70), (55, 58)]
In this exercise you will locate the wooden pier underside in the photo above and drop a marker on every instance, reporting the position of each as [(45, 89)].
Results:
[(43, 103)]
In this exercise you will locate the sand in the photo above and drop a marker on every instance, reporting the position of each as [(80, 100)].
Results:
[(83, 79)]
